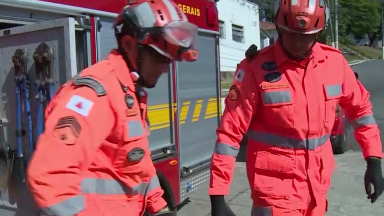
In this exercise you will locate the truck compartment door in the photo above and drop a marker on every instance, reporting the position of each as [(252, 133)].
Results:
[(59, 37), (199, 102), (44, 47)]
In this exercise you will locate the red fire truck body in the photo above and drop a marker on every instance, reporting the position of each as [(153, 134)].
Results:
[(184, 109)]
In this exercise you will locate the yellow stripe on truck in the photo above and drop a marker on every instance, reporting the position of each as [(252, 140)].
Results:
[(159, 115), (211, 108), (197, 111)]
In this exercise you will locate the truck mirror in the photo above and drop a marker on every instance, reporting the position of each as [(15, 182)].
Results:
[(357, 75)]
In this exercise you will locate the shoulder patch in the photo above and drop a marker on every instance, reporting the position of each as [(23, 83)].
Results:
[(327, 47), (79, 105), (233, 93), (67, 130), (91, 83), (240, 75)]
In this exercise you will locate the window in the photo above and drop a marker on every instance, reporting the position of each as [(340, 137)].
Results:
[(238, 33), (222, 29)]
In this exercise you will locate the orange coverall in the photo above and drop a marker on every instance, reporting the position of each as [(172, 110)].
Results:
[(288, 111), (93, 157)]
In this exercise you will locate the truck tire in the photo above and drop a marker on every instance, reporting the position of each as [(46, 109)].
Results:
[(342, 145)]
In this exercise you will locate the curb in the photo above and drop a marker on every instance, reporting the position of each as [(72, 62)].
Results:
[(356, 62)]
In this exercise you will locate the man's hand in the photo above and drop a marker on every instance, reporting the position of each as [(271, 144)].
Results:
[(373, 176), (220, 207)]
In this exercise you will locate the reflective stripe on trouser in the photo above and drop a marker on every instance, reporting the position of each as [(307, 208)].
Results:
[(76, 204)]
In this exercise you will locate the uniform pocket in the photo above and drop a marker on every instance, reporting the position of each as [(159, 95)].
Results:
[(133, 154), (273, 174), (327, 163), (278, 108), (332, 94)]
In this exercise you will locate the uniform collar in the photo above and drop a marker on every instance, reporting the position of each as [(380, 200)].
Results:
[(281, 57), (121, 70), (318, 53)]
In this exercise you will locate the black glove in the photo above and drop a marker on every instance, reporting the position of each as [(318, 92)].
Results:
[(220, 207), (373, 175)]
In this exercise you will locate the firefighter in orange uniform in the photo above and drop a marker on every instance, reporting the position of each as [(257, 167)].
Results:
[(93, 158), (285, 100)]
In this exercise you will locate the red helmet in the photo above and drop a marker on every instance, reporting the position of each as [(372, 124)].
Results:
[(301, 16), (162, 25)]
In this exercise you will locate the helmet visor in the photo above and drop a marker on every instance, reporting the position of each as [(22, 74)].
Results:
[(181, 33)]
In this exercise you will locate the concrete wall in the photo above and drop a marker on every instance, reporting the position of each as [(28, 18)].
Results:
[(241, 13)]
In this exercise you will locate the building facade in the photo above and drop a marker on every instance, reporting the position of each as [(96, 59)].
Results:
[(239, 28), (268, 34)]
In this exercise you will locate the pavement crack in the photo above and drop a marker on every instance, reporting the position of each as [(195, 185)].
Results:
[(238, 194)]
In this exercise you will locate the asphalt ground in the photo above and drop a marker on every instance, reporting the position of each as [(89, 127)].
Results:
[(347, 195)]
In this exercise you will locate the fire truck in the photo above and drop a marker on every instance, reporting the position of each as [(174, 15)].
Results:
[(51, 41)]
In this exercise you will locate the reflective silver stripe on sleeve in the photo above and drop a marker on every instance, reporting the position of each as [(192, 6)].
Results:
[(225, 149), (285, 142), (76, 204), (68, 207), (113, 187), (277, 97), (261, 211), (333, 90), (135, 128), (363, 121)]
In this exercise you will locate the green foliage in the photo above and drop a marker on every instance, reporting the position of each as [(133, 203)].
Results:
[(268, 7), (355, 17), (359, 17)]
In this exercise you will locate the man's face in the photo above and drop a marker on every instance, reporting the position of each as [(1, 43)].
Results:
[(152, 66), (297, 45)]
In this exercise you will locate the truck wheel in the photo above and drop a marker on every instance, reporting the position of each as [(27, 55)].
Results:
[(342, 145)]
